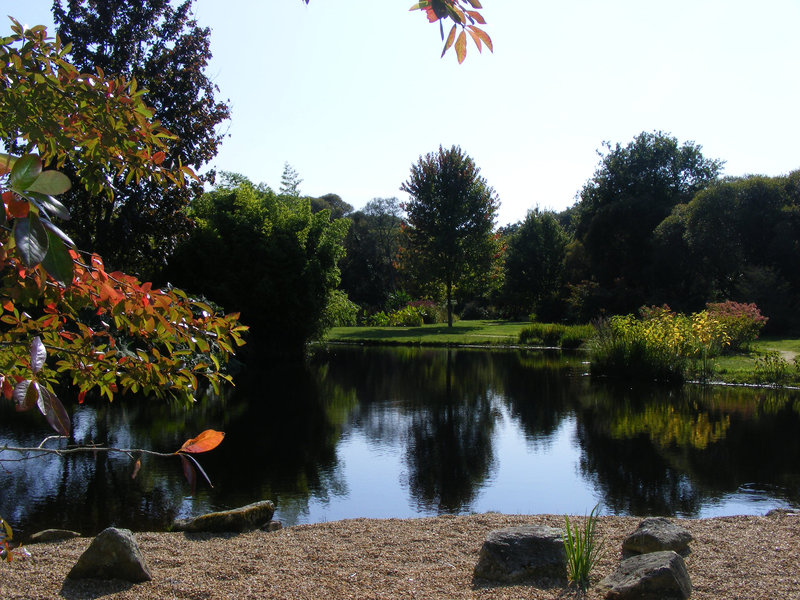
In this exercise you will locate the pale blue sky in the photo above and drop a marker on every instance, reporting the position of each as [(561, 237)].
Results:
[(352, 92)]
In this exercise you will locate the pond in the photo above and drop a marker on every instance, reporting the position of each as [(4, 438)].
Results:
[(405, 432)]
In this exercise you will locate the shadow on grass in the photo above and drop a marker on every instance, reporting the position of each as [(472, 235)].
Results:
[(385, 333)]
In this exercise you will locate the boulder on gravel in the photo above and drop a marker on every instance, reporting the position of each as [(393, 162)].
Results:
[(651, 576), (656, 534), (516, 554), (113, 554)]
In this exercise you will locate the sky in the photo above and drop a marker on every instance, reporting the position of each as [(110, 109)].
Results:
[(352, 92)]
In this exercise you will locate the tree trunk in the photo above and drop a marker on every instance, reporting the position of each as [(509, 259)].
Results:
[(449, 302)]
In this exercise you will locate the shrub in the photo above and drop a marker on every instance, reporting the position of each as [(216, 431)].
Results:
[(397, 300), (379, 319), (340, 311), (430, 311), (408, 316), (474, 311), (743, 322)]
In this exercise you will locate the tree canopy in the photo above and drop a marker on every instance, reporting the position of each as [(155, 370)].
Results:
[(266, 256), (450, 220), (161, 47)]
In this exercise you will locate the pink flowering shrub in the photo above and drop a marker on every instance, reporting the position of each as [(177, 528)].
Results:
[(742, 322)]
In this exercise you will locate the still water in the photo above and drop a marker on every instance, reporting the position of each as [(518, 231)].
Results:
[(404, 432)]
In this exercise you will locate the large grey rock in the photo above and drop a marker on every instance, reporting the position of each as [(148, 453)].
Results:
[(113, 554), (519, 553), (656, 534), (52, 535), (246, 518), (651, 576)]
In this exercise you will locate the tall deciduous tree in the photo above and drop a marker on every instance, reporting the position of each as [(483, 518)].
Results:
[(160, 46), (450, 220)]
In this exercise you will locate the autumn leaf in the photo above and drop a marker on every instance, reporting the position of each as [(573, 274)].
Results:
[(461, 47), (208, 440)]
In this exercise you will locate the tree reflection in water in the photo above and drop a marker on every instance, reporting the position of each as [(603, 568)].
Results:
[(458, 421)]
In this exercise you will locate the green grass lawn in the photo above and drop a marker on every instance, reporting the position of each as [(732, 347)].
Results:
[(741, 368), (477, 333)]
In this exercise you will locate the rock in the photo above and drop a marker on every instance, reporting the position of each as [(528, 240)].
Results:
[(272, 526), (651, 576), (518, 553), (246, 518), (113, 554), (656, 534), (52, 535)]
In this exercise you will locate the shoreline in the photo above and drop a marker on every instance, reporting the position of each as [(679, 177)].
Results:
[(430, 557)]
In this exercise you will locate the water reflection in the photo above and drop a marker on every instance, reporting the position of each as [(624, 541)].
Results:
[(403, 432)]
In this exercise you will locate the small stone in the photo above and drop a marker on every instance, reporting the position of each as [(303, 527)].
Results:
[(246, 518), (113, 554), (656, 534), (52, 535), (520, 553), (272, 526), (651, 576)]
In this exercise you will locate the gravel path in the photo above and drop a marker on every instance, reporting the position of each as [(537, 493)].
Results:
[(732, 558)]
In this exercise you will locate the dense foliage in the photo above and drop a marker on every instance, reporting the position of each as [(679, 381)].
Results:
[(449, 233), (65, 318), (266, 256), (160, 46)]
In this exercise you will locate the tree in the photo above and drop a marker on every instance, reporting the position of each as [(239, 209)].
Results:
[(369, 272), (450, 220), (65, 318), (634, 188), (265, 256), (290, 182), (160, 46), (534, 265)]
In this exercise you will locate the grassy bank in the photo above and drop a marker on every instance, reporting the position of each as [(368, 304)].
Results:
[(770, 360), (473, 333)]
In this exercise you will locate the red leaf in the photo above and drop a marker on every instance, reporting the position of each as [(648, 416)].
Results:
[(136, 466), (208, 440), (55, 412), (159, 157), (482, 35)]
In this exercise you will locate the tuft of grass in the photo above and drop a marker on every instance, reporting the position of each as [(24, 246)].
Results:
[(582, 548)]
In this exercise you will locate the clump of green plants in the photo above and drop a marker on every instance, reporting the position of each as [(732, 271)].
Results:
[(582, 548), (555, 335), (660, 345), (773, 369), (340, 311)]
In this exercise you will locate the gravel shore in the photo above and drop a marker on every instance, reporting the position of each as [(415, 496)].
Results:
[(731, 558)]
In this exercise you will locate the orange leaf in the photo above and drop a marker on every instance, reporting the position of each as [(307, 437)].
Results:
[(159, 157), (136, 466), (461, 47), (208, 440), (482, 35), (451, 37), (18, 207)]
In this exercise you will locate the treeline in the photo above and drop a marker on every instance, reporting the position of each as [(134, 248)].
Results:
[(655, 225)]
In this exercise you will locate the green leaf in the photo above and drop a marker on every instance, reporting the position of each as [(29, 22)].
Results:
[(50, 182), (58, 262), (49, 204), (24, 172), (31, 239), (51, 227)]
